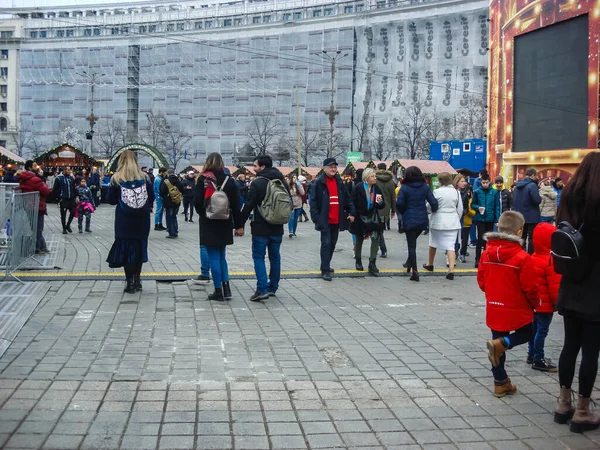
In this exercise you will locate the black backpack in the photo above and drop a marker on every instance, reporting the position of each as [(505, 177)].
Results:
[(568, 252)]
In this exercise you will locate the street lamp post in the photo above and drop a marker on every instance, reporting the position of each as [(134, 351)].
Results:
[(92, 77), (332, 112)]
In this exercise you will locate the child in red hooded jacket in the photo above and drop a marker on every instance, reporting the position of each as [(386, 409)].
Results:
[(507, 276), (548, 283)]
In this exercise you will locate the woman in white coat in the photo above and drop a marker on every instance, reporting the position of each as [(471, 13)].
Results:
[(445, 223)]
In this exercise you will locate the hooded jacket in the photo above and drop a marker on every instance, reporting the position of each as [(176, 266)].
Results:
[(30, 182), (385, 183), (256, 194), (164, 191), (507, 275), (411, 203), (490, 199), (548, 205), (526, 200), (189, 187), (547, 279)]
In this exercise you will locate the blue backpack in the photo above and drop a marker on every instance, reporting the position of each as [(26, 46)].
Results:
[(134, 196)]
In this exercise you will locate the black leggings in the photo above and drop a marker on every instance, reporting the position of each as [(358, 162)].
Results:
[(579, 334)]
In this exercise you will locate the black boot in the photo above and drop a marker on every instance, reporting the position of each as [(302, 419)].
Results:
[(217, 295), (226, 290), (373, 270), (414, 276), (359, 265), (137, 281), (129, 289)]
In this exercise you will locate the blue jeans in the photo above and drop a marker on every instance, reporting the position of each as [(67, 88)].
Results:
[(518, 337), (218, 266), (541, 326), (171, 218), (260, 244), (158, 215), (293, 223), (329, 238), (204, 262), (547, 219)]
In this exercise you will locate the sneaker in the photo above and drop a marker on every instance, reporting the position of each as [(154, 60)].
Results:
[(201, 280), (257, 297), (544, 366), (272, 294), (504, 389), (42, 252), (462, 259), (384, 254), (529, 359)]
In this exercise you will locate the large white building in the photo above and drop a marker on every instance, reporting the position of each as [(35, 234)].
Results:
[(210, 67)]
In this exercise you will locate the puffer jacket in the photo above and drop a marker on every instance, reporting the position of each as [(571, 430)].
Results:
[(385, 183), (507, 275), (547, 279), (30, 182), (411, 203), (526, 200), (548, 205), (490, 199)]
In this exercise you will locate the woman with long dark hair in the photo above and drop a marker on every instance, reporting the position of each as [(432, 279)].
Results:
[(217, 233), (578, 301), (296, 192), (130, 189), (411, 203)]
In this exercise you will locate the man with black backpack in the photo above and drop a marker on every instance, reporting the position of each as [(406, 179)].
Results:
[(270, 203), (171, 191)]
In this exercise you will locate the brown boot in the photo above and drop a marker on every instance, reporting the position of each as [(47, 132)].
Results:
[(495, 350), (564, 410), (584, 419), (504, 389)]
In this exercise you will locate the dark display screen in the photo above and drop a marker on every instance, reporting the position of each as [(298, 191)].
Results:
[(550, 108)]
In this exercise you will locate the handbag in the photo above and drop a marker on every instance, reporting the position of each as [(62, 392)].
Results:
[(371, 223)]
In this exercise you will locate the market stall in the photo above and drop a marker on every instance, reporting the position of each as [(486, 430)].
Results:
[(66, 155)]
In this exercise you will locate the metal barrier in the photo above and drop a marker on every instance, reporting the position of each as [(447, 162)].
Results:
[(21, 229), (7, 190)]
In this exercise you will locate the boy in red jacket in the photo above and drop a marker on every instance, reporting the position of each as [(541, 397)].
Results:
[(548, 282), (507, 276)]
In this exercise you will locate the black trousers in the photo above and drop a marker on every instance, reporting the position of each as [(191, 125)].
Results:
[(411, 243), (528, 237), (518, 337), (464, 240), (382, 245), (188, 204), (482, 228), (579, 335), (67, 205), (329, 239)]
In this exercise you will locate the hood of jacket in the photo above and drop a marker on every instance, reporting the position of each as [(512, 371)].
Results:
[(271, 173), (173, 179), (501, 247), (414, 184), (26, 177), (384, 176), (542, 238), (524, 182)]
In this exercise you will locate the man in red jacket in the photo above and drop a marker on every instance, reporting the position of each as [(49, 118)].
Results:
[(507, 276), (29, 181), (549, 282)]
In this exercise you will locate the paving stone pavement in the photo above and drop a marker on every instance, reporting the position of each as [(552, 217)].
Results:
[(356, 363)]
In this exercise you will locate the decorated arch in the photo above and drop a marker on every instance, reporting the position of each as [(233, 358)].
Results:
[(111, 165)]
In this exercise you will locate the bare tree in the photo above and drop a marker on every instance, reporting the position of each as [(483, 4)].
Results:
[(472, 118), (379, 146), (37, 146), (175, 144), (412, 128), (22, 137), (263, 131), (361, 127), (154, 132), (281, 152), (111, 136), (309, 145), (341, 145)]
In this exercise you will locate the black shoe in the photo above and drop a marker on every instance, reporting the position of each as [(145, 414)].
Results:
[(190, 221), (171, 237), (65, 231), (428, 268), (137, 282), (384, 254), (158, 228), (80, 230), (407, 267), (201, 280), (272, 294), (544, 366), (414, 276), (326, 276), (291, 235), (162, 228), (87, 230), (186, 219), (69, 229), (217, 295), (477, 264), (42, 252), (257, 297), (450, 276), (529, 359), (331, 270), (373, 270), (129, 289), (359, 265), (226, 290)]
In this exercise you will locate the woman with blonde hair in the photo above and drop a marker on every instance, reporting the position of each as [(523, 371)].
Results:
[(445, 223), (131, 191)]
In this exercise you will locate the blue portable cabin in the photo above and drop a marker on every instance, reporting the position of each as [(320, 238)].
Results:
[(470, 154)]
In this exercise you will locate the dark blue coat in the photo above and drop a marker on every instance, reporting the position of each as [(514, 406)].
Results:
[(526, 200), (130, 226), (319, 203), (411, 204)]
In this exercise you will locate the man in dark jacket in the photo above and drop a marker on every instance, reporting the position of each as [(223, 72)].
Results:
[(385, 183), (171, 201), (189, 187), (64, 191), (93, 182), (29, 181), (527, 201), (505, 195), (330, 206), (264, 234)]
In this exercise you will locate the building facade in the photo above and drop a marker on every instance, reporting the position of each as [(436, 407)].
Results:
[(10, 41), (212, 70)]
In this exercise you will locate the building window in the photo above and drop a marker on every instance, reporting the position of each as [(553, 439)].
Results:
[(237, 21), (60, 33), (393, 2), (347, 9), (329, 11), (4, 72), (3, 124), (70, 33), (152, 28), (33, 34), (87, 32), (297, 15), (266, 19), (96, 31), (6, 34), (3, 90), (180, 27), (316, 13), (4, 107), (4, 54), (115, 31), (287, 17), (43, 34), (256, 19), (198, 25), (381, 4), (125, 30), (227, 22), (360, 7), (142, 29), (170, 27), (208, 24)]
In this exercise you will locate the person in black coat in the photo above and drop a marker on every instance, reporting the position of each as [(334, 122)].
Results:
[(330, 207), (64, 191), (132, 219), (367, 199), (526, 200), (171, 206), (411, 203), (216, 235), (189, 187), (578, 301)]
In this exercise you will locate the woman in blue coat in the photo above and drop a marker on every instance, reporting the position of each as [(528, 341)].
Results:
[(411, 203)]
